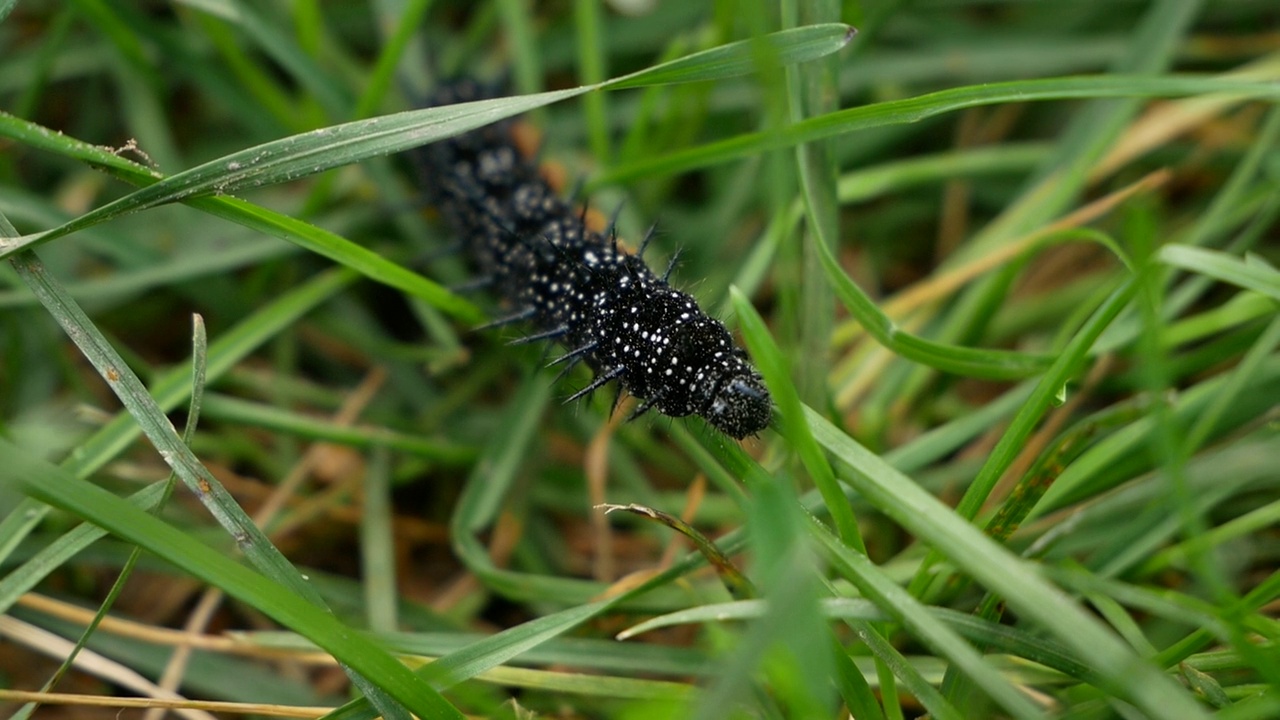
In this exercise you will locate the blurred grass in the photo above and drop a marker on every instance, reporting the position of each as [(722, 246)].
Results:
[(1100, 413)]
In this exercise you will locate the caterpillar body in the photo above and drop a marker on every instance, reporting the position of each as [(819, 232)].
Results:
[(577, 287)]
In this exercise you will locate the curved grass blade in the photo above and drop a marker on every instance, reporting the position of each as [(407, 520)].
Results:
[(497, 649), (848, 552), (1024, 423), (789, 418), (990, 634), (789, 47), (133, 394), (199, 362), (1251, 273), (739, 585), (921, 107), (342, 251), (1004, 574), (298, 156), (970, 362), (168, 390), (298, 232), (59, 488)]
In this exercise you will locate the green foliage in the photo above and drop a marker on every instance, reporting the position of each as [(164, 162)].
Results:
[(1008, 270)]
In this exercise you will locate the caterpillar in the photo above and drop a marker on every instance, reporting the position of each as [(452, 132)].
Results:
[(576, 286)]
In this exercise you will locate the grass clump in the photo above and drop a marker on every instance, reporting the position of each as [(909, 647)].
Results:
[(1006, 269)]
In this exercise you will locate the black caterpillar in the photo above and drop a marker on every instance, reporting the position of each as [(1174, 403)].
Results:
[(578, 288)]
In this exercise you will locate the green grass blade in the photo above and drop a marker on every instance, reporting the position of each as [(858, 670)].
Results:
[(375, 91), (298, 156), (199, 361), (993, 635), (244, 412), (231, 347), (342, 251), (740, 58), (301, 155), (922, 107), (131, 392), (485, 654), (49, 558), (969, 362), (1028, 417), (298, 232), (913, 615), (1251, 273), (59, 488), (1008, 576), (790, 421), (169, 390)]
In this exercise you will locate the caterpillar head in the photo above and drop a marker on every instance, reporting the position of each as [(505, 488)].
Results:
[(725, 388), (741, 405)]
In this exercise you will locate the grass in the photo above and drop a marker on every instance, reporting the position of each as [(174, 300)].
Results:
[(1006, 269)]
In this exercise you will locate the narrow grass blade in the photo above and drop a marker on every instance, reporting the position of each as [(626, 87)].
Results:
[(298, 232), (58, 488), (126, 385), (915, 109), (737, 583), (772, 365), (1251, 273), (969, 362), (994, 635), (1063, 368), (928, 629), (298, 156), (1010, 577), (739, 58), (244, 412), (199, 360)]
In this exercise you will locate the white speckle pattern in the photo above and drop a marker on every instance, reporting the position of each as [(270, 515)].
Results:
[(606, 306)]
